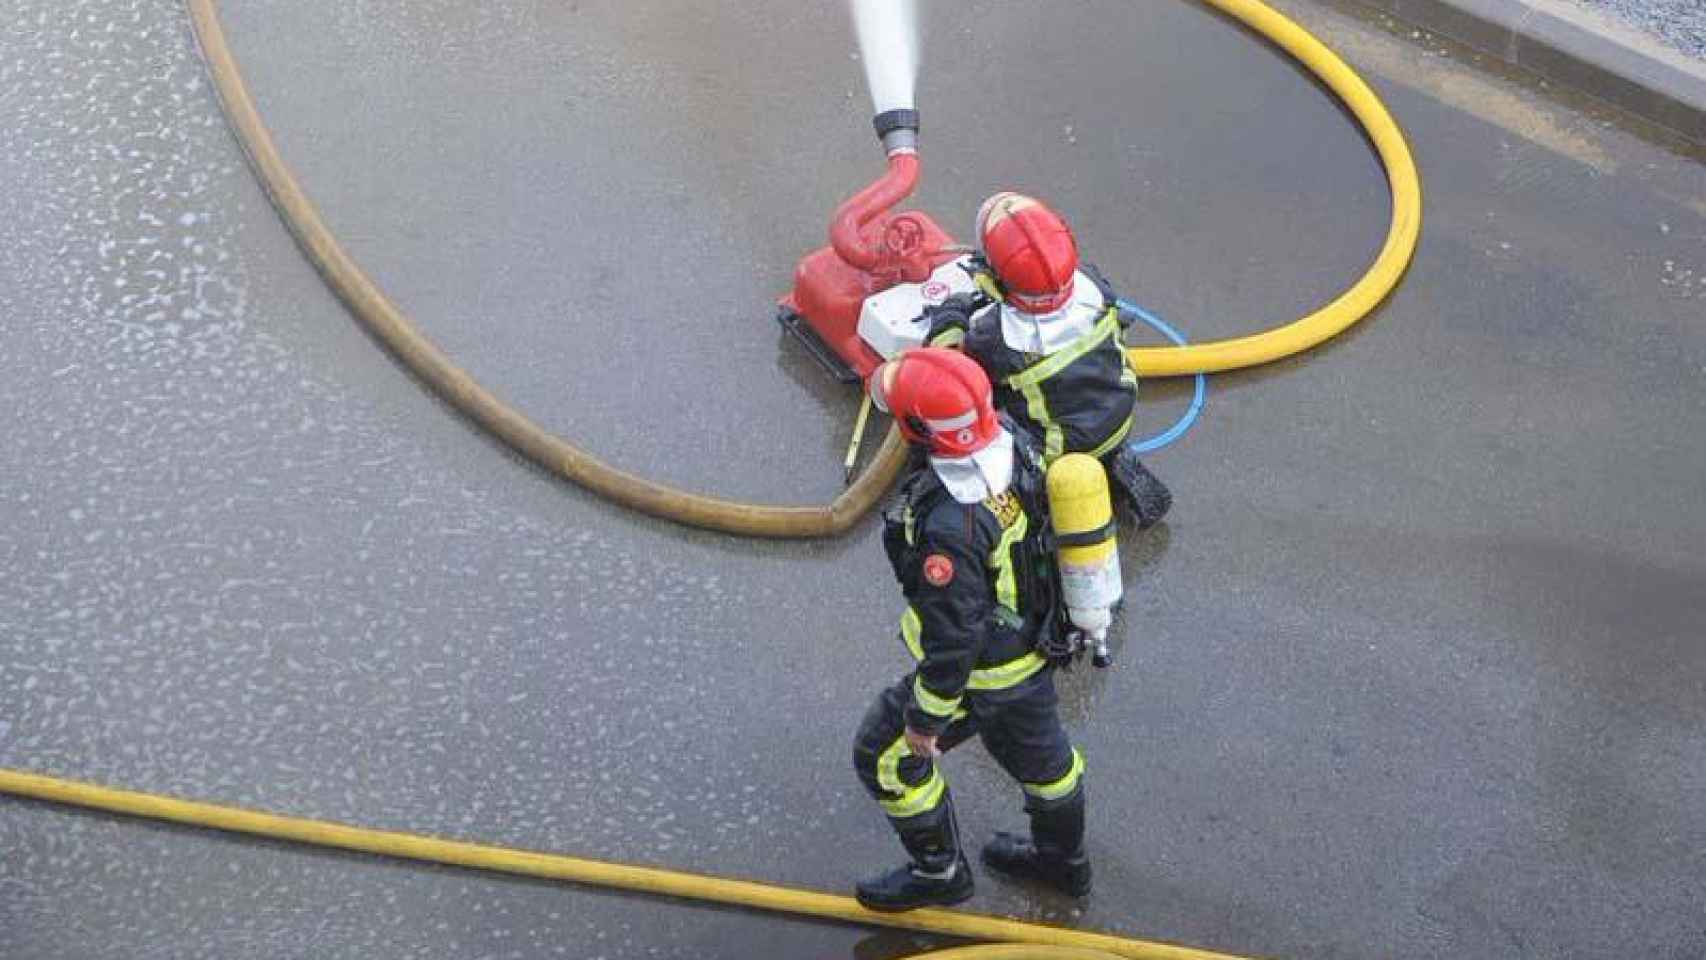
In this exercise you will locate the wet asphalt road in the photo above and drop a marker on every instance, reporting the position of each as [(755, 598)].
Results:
[(1417, 667)]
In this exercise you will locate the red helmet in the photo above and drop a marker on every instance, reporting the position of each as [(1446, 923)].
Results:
[(940, 398), (1031, 248)]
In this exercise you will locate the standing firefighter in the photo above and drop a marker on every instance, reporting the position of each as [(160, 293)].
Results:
[(1047, 330), (968, 543)]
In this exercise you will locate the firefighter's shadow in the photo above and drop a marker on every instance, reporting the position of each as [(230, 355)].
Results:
[(819, 383), (897, 944), (1141, 551)]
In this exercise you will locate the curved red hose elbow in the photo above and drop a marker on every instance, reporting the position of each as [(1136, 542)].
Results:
[(861, 208)]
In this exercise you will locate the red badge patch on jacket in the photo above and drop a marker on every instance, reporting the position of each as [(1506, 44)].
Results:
[(938, 569)]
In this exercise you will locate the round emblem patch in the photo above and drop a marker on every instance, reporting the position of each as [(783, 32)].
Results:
[(939, 570), (934, 291)]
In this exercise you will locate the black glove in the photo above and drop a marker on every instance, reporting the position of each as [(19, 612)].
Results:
[(954, 313)]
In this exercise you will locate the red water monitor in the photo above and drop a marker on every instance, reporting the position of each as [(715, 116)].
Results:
[(855, 302)]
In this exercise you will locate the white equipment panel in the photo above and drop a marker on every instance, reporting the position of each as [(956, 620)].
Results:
[(891, 321)]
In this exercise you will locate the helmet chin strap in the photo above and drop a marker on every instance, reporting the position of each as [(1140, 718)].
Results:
[(978, 476)]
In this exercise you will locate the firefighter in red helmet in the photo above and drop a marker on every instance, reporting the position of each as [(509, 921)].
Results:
[(967, 539), (1047, 329)]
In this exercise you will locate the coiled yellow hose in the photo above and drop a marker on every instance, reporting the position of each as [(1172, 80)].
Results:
[(1389, 265)]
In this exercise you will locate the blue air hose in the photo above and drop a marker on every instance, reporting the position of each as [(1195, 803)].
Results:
[(1185, 422)]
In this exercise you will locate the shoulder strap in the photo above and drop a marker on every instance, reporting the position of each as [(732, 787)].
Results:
[(1107, 326), (983, 277), (1107, 289)]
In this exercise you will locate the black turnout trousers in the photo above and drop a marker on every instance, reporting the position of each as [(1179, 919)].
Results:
[(1020, 727)]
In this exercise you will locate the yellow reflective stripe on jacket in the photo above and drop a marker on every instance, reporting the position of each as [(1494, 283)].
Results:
[(916, 800), (1117, 439), (1006, 585), (1052, 364), (1029, 381), (1062, 787), (999, 677), (951, 337), (1036, 406), (930, 703), (912, 631), (1011, 673)]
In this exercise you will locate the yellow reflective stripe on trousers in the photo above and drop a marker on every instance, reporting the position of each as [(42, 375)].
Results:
[(999, 677), (888, 766), (930, 703), (911, 801), (1062, 787)]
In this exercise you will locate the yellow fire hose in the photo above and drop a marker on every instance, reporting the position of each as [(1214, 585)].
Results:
[(1015, 939), (429, 363), (669, 883), (1388, 267)]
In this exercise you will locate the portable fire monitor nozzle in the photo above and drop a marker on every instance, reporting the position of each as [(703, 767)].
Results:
[(858, 301)]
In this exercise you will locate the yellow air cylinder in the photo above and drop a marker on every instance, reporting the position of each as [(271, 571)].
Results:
[(1084, 530)]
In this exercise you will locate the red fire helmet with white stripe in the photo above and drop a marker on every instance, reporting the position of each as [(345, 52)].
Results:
[(938, 397), (1031, 249)]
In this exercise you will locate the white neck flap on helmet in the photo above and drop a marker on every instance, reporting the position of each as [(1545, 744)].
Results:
[(984, 474), (1047, 333)]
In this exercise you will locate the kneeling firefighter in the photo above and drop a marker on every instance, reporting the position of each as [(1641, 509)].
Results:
[(968, 539), (1047, 330)]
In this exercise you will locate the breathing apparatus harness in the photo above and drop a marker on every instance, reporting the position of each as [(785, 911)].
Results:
[(1045, 626)]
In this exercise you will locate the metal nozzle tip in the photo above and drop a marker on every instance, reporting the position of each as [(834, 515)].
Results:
[(890, 121)]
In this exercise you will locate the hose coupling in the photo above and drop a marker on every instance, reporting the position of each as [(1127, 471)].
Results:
[(897, 129)]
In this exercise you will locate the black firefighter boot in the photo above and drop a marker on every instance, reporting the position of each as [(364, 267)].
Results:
[(937, 876), (1136, 491), (1054, 853)]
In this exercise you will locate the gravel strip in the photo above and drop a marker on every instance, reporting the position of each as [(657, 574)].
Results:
[(1678, 23)]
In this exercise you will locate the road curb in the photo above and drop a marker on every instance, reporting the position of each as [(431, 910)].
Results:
[(1575, 48)]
